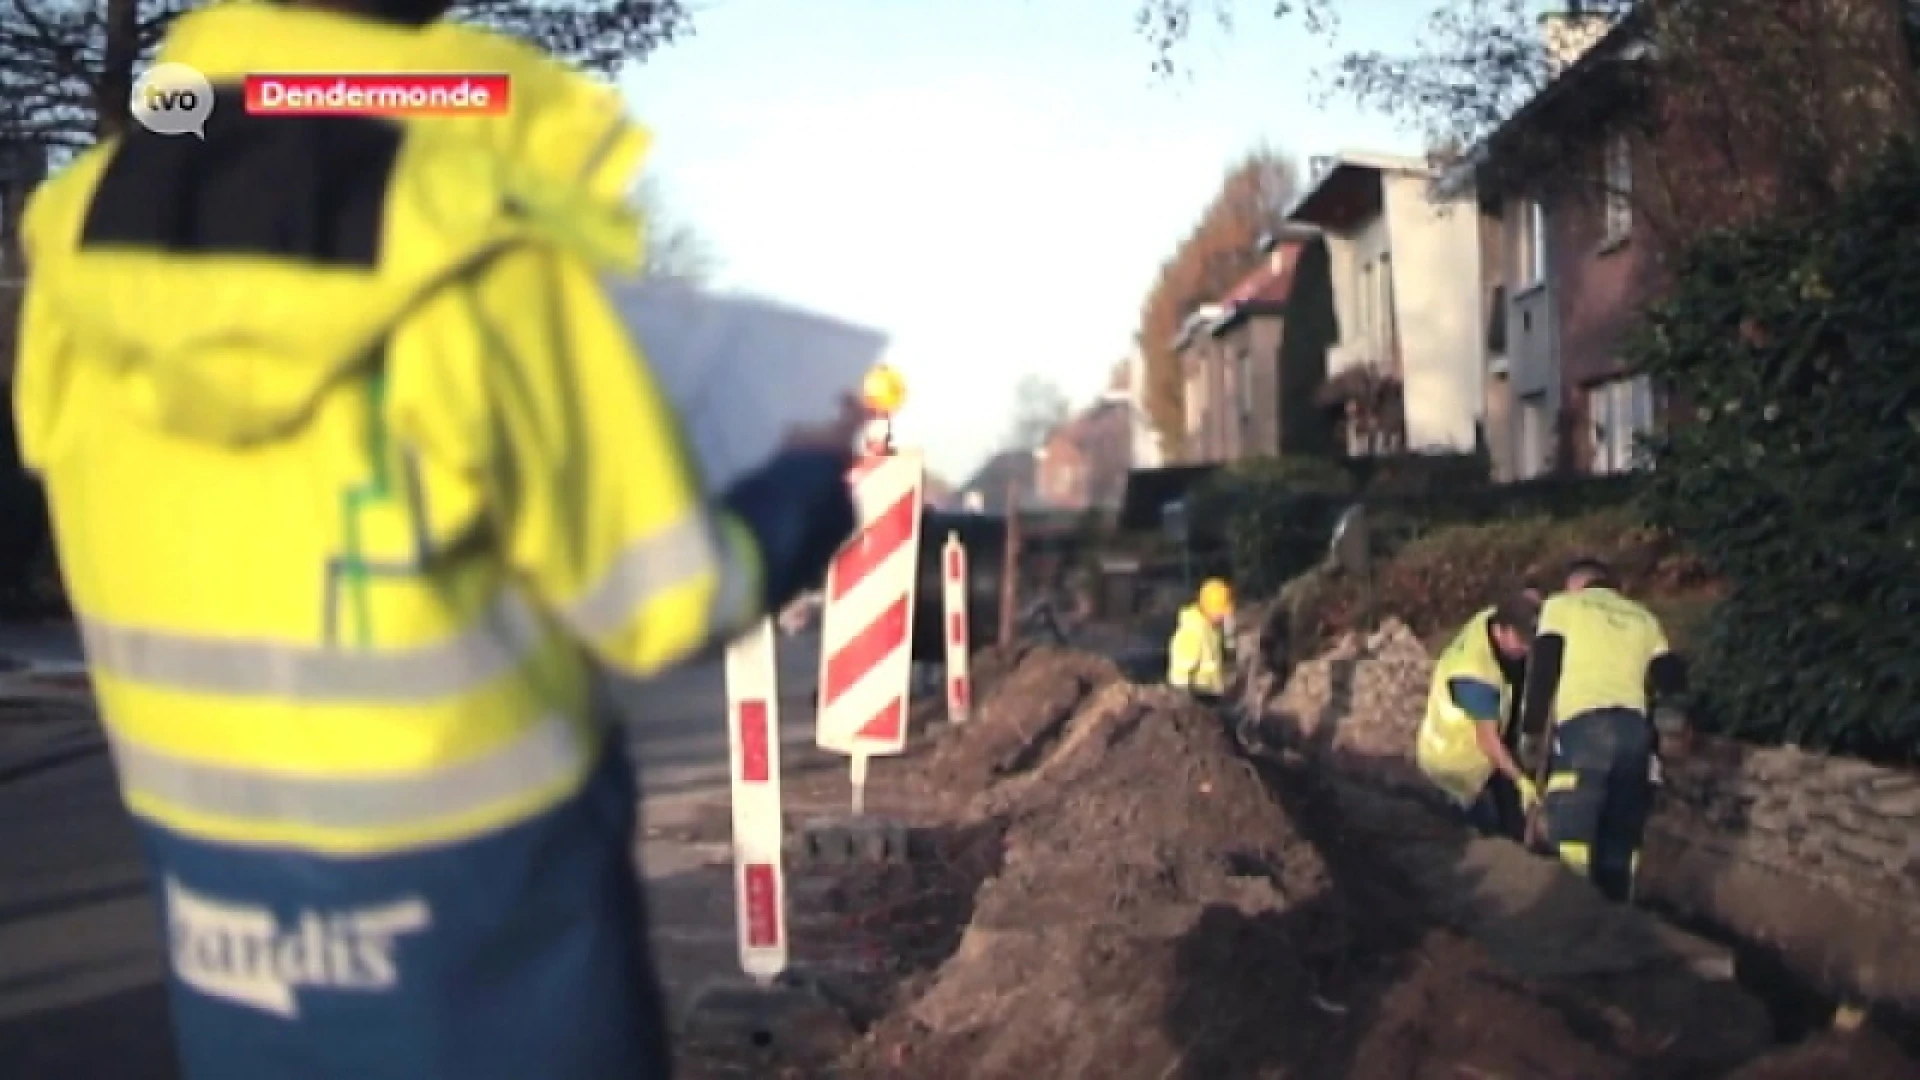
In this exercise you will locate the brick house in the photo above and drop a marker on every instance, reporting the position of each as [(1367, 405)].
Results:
[(1567, 272), (1583, 193), (1145, 448), (1006, 477), (1204, 389), (1084, 462), (1255, 361)]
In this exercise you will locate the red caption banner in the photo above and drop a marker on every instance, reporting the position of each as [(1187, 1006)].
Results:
[(378, 95)]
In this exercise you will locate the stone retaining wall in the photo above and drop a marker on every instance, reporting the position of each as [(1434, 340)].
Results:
[(1815, 856)]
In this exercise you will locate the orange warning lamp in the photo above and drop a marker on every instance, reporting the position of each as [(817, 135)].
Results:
[(884, 390)]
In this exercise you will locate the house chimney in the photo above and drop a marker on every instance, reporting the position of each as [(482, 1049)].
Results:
[(1568, 35), (1318, 166)]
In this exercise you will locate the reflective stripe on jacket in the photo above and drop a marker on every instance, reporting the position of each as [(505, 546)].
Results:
[(1446, 747), (348, 455), (1196, 657)]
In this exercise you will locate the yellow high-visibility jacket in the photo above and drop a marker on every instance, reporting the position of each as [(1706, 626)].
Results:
[(336, 527), (1196, 656), (573, 151), (1608, 643), (1446, 747)]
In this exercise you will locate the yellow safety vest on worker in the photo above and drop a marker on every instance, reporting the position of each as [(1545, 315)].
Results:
[(323, 541), (1196, 655), (1610, 641), (1445, 747)]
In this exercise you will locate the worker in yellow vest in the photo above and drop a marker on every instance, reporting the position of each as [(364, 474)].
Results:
[(1597, 656), (1197, 653), (1584, 572), (1460, 745), (355, 474)]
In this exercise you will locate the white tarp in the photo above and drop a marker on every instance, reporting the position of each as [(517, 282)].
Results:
[(743, 370)]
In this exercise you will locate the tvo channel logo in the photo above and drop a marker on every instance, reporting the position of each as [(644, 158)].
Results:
[(173, 99)]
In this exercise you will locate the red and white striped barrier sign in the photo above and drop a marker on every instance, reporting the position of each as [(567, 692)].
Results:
[(866, 655), (753, 730), (953, 579)]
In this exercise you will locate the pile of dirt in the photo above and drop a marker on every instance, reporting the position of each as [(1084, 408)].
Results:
[(1852, 1055), (1186, 822), (1023, 698), (1364, 697), (1159, 905), (1157, 912), (1125, 927)]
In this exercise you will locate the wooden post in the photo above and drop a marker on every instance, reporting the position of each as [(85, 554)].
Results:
[(1010, 564)]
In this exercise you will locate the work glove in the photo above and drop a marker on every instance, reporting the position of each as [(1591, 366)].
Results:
[(1529, 794)]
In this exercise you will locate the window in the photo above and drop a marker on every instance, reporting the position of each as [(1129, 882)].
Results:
[(1196, 402), (1530, 245), (1364, 296), (1622, 414), (1618, 189), (1066, 484), (1373, 311), (1535, 452), (1384, 347), (1243, 356)]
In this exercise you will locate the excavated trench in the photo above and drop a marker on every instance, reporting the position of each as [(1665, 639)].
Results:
[(1796, 1009), (1800, 1010), (1142, 896)]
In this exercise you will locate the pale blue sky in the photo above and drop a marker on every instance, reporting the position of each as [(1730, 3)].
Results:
[(992, 182)]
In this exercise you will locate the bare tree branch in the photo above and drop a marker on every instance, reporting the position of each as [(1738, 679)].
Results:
[(1170, 24), (1478, 63), (1039, 406), (67, 66), (674, 248)]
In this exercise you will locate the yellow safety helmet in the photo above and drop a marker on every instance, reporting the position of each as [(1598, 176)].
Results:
[(884, 390), (1216, 598)]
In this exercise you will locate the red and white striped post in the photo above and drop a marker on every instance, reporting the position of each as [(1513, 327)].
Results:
[(866, 654), (753, 730), (953, 562)]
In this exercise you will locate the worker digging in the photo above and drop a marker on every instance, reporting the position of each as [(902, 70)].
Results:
[(1594, 663), (1462, 745)]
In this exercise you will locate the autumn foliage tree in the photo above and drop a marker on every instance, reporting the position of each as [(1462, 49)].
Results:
[(1223, 247), (675, 249)]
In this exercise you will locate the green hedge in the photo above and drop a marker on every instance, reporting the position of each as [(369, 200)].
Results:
[(1796, 348), (1439, 580), (1265, 521)]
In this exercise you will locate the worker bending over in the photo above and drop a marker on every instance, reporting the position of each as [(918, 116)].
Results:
[(1197, 654), (353, 472), (1588, 675), (1460, 745), (1582, 573)]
